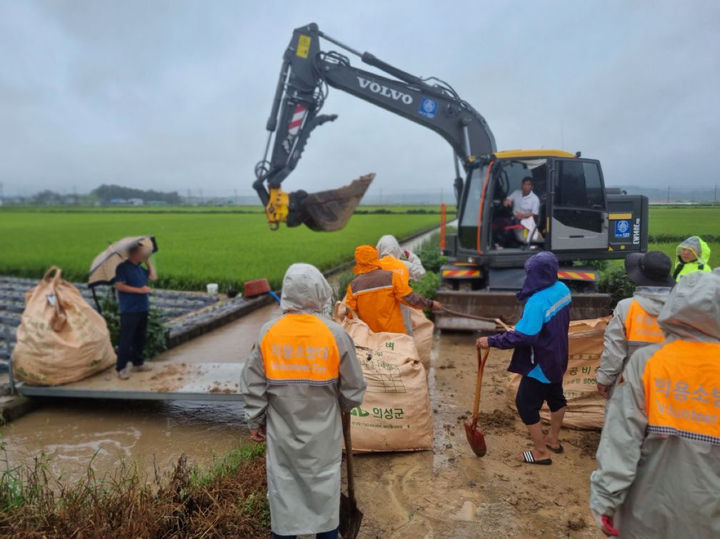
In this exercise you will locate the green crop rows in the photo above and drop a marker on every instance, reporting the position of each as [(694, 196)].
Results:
[(195, 248), (204, 245)]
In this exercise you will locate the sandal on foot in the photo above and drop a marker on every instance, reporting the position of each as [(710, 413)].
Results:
[(557, 450), (528, 458)]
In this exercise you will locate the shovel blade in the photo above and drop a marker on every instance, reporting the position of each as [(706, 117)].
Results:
[(330, 210), (476, 439), (350, 517)]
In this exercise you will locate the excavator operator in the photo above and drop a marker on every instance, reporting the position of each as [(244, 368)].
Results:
[(525, 205)]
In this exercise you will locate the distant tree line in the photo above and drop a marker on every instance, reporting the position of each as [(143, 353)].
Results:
[(106, 193)]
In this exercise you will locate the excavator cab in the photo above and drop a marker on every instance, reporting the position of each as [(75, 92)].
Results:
[(571, 205)]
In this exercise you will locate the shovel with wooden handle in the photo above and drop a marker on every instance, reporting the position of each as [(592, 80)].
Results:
[(475, 436), (350, 516), (491, 323)]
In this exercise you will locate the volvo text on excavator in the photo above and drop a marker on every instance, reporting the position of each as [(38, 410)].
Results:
[(577, 217)]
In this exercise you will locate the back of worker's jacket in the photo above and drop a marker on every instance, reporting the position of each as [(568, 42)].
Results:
[(300, 375), (633, 325), (376, 297), (659, 455)]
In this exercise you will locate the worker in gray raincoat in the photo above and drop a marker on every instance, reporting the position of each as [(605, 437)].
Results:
[(299, 377), (658, 462), (634, 322), (388, 247)]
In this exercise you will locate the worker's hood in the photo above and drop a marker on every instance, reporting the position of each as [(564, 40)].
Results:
[(541, 272), (698, 246), (692, 310), (388, 246), (652, 298), (366, 259), (305, 289)]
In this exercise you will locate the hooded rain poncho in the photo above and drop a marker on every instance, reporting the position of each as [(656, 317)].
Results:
[(618, 345), (658, 463), (388, 246), (700, 249), (299, 377), (540, 338)]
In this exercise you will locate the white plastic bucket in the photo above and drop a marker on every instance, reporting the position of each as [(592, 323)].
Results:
[(212, 288)]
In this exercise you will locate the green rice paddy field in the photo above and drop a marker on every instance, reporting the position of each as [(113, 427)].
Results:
[(670, 225), (219, 245), (194, 248)]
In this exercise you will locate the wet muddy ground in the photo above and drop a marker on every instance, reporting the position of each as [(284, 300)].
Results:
[(447, 492), (452, 493)]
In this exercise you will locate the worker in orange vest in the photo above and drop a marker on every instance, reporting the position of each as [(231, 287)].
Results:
[(634, 323), (406, 264), (657, 464), (377, 294), (298, 379)]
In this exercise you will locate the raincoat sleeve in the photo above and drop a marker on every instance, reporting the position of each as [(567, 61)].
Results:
[(414, 266), (253, 386), (622, 438), (404, 294), (615, 350), (352, 381), (526, 331)]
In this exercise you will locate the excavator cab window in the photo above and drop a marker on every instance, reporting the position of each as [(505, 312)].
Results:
[(471, 201), (506, 229), (579, 219)]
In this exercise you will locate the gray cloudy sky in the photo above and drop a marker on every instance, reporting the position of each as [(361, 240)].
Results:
[(175, 94)]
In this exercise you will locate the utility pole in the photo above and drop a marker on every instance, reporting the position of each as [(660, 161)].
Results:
[(668, 195), (714, 198)]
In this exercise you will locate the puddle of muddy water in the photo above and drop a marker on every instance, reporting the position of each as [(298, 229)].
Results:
[(74, 433), (150, 434)]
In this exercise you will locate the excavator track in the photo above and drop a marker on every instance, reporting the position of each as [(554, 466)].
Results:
[(506, 307)]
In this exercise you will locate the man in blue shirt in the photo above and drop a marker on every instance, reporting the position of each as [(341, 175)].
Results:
[(540, 340), (131, 282)]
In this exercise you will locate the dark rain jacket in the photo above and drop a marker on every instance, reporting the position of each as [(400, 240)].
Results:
[(541, 335)]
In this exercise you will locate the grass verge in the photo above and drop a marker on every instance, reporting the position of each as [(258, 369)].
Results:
[(226, 499)]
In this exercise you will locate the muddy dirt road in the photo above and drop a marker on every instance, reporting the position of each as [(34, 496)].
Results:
[(451, 493), (444, 493)]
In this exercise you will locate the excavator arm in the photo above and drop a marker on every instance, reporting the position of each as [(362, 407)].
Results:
[(306, 73)]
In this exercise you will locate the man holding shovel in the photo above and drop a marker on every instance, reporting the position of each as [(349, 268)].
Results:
[(298, 379), (540, 340)]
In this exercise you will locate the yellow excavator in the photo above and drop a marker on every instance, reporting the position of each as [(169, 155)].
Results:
[(578, 218)]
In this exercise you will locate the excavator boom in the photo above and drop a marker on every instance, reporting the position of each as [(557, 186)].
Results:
[(306, 73)]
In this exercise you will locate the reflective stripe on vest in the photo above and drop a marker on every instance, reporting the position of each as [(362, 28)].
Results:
[(682, 391), (642, 327), (300, 349)]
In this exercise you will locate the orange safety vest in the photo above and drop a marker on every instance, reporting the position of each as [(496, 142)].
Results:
[(300, 348), (641, 327), (682, 391), (390, 263)]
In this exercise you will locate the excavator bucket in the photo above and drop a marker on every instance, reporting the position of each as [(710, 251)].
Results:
[(331, 210)]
